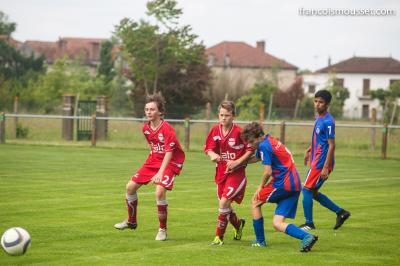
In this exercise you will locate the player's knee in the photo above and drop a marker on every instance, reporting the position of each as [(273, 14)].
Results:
[(277, 224), (160, 193), (131, 188)]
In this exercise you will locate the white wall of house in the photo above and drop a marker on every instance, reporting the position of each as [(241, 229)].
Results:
[(354, 105)]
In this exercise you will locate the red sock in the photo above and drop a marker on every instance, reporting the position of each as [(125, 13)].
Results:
[(162, 206), (234, 220), (222, 222), (131, 204)]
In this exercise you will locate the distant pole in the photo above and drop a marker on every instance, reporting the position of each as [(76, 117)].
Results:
[(296, 109), (68, 123), (187, 133), (283, 129), (393, 113), (16, 103), (208, 117), (262, 113), (384, 142), (94, 131), (271, 99), (2, 128), (373, 131)]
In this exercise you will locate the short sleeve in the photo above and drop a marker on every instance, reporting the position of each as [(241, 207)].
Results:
[(330, 129), (211, 142), (264, 155)]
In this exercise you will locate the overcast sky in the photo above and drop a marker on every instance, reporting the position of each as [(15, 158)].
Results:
[(305, 41)]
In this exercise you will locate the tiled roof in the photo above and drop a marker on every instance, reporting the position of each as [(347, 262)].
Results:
[(371, 65), (240, 54)]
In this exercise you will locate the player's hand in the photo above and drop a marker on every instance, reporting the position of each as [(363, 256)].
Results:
[(215, 157), (324, 173), (157, 178), (306, 157), (231, 165)]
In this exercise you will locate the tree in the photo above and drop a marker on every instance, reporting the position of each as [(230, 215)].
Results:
[(106, 67), (16, 70), (286, 99), (387, 99), (6, 27), (249, 105), (164, 58), (339, 96)]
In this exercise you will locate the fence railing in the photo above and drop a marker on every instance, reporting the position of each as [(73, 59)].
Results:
[(188, 123)]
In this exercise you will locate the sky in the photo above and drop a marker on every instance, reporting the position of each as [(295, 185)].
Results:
[(305, 41)]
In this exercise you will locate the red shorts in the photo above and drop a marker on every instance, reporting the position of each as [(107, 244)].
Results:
[(313, 179), (233, 187), (145, 174)]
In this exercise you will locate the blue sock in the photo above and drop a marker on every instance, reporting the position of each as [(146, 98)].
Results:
[(259, 229), (308, 205), (327, 203), (296, 232)]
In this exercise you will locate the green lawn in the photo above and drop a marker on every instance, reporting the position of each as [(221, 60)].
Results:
[(68, 198)]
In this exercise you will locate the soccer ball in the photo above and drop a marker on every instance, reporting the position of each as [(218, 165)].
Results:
[(16, 241)]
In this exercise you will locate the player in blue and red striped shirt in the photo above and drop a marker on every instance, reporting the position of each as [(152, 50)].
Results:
[(280, 184), (322, 151)]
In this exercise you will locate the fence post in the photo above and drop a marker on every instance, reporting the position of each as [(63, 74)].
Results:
[(101, 111), (187, 134), (271, 99), (68, 123), (94, 131), (2, 128), (373, 130), (208, 117), (262, 113), (384, 141), (16, 101), (282, 138)]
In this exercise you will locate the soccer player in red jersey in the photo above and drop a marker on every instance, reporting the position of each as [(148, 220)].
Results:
[(225, 147), (161, 166)]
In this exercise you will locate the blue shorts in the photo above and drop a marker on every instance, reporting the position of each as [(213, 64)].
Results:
[(286, 201)]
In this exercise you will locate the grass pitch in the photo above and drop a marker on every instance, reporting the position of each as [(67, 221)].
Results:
[(68, 198)]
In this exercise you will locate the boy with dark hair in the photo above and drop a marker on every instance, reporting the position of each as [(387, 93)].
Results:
[(280, 184), (322, 151), (164, 162)]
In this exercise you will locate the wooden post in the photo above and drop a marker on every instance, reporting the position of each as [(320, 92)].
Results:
[(187, 133), (393, 113), (16, 101), (94, 131), (208, 117), (296, 109), (373, 130), (102, 111), (384, 141), (68, 123), (282, 138), (271, 99), (262, 113), (2, 128)]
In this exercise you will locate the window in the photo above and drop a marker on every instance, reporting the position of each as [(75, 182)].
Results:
[(393, 81), (366, 87), (339, 82), (211, 60), (365, 111), (311, 88)]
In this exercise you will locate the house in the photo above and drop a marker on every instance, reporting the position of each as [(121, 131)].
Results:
[(86, 49), (242, 65), (359, 75)]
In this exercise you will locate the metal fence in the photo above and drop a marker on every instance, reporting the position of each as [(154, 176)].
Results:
[(351, 138)]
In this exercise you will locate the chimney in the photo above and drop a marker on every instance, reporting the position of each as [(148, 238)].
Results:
[(261, 46)]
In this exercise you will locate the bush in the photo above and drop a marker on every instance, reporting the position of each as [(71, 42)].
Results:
[(22, 132)]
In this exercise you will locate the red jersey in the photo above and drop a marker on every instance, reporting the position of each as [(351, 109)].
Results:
[(161, 140), (228, 147)]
